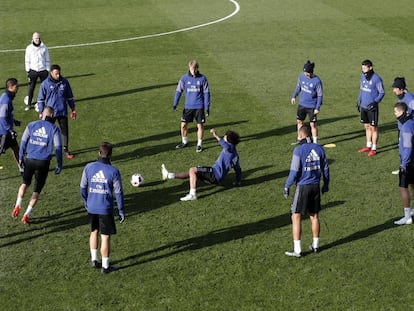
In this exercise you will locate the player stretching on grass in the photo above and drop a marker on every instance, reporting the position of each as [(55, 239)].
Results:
[(371, 93), (37, 145), (406, 150), (309, 164), (227, 159)]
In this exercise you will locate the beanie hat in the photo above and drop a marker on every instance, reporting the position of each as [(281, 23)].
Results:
[(308, 67), (399, 82)]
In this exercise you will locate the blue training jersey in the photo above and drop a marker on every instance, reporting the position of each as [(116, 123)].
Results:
[(309, 164), (196, 89), (311, 91), (6, 113), (100, 181), (38, 139), (228, 158), (371, 90), (56, 94), (407, 98), (406, 141)]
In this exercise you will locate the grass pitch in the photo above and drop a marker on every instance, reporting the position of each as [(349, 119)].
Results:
[(224, 251)]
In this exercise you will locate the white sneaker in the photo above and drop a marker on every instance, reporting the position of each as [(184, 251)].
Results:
[(404, 221), (164, 172), (396, 172), (189, 197), (293, 254)]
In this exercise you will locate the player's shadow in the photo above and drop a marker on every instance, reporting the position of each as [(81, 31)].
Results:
[(126, 92), (212, 238), (348, 136), (362, 234), (154, 149), (280, 131), (146, 200), (67, 77), (41, 226)]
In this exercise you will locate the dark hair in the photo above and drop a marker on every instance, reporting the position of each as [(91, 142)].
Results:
[(233, 137), (105, 149), (367, 62), (55, 67), (10, 82), (401, 106)]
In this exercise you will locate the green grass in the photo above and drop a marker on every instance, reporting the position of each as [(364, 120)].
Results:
[(224, 251)]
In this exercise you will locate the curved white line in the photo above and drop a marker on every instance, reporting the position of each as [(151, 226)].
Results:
[(237, 9)]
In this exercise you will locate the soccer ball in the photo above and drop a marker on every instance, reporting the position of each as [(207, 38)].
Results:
[(137, 180)]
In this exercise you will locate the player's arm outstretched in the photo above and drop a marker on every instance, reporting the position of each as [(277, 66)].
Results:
[(214, 132)]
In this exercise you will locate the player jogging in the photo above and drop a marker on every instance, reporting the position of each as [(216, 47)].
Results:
[(37, 146)]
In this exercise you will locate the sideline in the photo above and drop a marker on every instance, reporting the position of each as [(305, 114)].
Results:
[(237, 9)]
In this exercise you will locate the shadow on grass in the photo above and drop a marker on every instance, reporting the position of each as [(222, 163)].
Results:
[(67, 77), (158, 148), (361, 234), (41, 226), (291, 129), (143, 201), (126, 92), (342, 137), (213, 238)]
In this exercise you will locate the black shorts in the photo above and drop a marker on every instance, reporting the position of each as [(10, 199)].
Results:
[(407, 178), (303, 112), (190, 114), (105, 224), (206, 174), (307, 198), (10, 141), (369, 116), (38, 168)]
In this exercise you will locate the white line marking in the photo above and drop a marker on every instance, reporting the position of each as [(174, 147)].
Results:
[(237, 9)]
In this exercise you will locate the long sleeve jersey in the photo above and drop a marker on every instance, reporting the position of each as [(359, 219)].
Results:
[(196, 89), (38, 139), (406, 140), (309, 164), (56, 94), (228, 158), (371, 90), (37, 58), (311, 91), (6, 113), (408, 98), (100, 181)]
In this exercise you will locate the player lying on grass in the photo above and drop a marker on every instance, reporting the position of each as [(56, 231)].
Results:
[(228, 158)]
